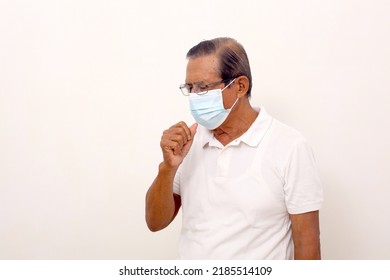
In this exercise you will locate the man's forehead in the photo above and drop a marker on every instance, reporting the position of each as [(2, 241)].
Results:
[(202, 69)]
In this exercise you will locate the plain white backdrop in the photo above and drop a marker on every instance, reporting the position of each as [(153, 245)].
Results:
[(87, 87)]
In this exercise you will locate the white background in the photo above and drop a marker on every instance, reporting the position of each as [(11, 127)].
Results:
[(87, 87)]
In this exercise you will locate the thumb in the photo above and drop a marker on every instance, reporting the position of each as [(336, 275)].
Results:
[(193, 130)]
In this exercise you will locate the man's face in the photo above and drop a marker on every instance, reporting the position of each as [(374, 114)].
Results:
[(204, 70)]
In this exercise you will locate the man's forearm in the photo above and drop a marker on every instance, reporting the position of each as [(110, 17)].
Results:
[(307, 252), (160, 202)]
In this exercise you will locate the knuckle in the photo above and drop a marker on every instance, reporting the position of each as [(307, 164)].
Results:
[(182, 125), (177, 145)]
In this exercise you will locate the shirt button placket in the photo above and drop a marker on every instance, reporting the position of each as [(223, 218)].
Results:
[(223, 162)]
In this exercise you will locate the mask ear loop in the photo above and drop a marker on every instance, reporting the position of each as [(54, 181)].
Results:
[(237, 97), (229, 84), (233, 104)]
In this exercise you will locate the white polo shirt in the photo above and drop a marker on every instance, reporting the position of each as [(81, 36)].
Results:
[(236, 199)]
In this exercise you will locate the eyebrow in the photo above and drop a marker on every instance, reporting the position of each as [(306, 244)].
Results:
[(196, 83)]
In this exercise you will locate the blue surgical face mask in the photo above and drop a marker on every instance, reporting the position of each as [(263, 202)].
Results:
[(208, 109)]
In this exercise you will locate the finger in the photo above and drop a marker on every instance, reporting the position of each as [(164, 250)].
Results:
[(175, 140), (172, 146), (183, 126), (175, 134), (180, 139), (178, 134)]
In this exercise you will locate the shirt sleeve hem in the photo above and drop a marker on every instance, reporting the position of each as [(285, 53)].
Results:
[(305, 209)]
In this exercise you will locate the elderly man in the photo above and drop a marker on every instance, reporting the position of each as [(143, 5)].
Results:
[(247, 184)]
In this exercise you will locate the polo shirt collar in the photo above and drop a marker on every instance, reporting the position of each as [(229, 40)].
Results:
[(252, 137)]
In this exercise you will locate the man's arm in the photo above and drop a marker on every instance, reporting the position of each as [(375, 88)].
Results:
[(306, 236), (162, 204)]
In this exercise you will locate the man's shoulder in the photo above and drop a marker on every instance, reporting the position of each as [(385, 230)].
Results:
[(278, 126), (287, 130), (285, 135)]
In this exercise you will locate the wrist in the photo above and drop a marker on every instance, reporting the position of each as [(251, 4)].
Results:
[(166, 169)]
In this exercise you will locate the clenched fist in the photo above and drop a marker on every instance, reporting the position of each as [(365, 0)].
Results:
[(176, 142)]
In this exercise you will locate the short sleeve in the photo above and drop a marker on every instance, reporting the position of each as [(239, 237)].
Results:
[(303, 189)]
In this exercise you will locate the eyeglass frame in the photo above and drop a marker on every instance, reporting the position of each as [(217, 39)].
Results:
[(210, 85)]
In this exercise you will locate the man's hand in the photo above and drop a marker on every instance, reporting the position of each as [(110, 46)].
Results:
[(176, 142)]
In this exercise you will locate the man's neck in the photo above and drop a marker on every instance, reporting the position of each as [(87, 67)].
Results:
[(236, 125)]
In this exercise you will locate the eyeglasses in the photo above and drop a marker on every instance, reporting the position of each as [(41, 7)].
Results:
[(200, 88)]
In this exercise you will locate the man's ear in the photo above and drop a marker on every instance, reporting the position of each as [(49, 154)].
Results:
[(242, 83)]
